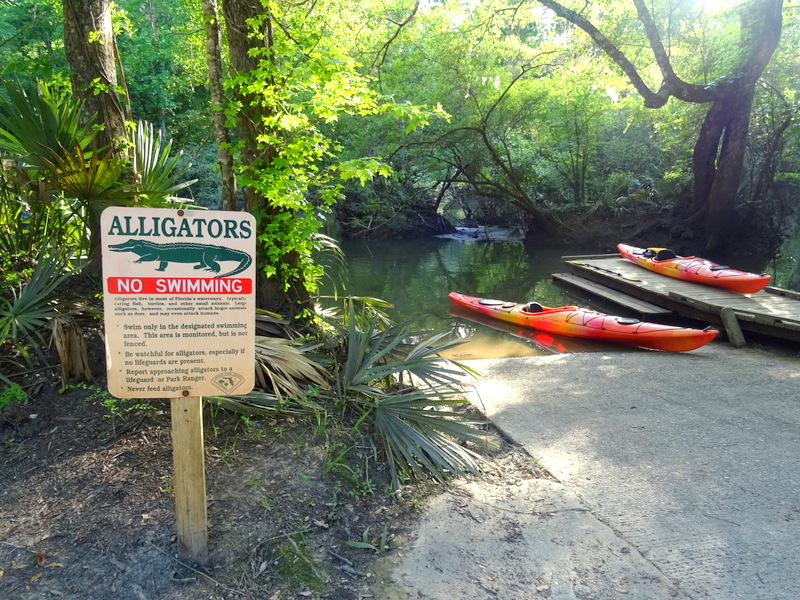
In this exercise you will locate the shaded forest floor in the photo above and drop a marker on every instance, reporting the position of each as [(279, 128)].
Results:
[(87, 509)]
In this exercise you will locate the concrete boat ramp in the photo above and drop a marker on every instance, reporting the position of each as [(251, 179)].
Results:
[(676, 475)]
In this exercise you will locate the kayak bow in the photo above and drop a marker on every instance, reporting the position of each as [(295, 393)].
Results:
[(580, 322), (693, 268)]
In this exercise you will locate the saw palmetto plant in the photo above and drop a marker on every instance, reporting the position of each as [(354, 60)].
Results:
[(35, 312), (286, 378), (403, 390)]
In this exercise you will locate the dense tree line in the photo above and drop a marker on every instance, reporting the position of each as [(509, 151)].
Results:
[(534, 113)]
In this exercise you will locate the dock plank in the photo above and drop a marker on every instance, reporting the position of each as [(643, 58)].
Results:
[(641, 307)]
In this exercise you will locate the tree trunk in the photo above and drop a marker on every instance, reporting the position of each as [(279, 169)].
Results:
[(729, 118), (243, 49), (89, 46), (245, 46), (221, 133)]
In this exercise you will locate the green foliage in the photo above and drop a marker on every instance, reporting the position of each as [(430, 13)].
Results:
[(389, 380), (25, 224), (513, 79), (162, 48), (540, 118), (55, 187), (785, 266), (378, 545), (396, 207), (116, 407), (58, 183), (304, 83), (31, 34), (12, 393), (30, 307), (294, 561), (158, 174), (204, 170), (94, 182), (287, 379), (40, 123)]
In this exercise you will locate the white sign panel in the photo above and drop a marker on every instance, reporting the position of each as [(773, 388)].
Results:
[(179, 299)]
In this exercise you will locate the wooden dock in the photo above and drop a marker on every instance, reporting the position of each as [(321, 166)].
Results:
[(773, 311)]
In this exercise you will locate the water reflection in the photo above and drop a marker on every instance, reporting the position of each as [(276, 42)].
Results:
[(417, 275)]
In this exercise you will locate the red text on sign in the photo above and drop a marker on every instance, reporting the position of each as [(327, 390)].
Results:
[(179, 285)]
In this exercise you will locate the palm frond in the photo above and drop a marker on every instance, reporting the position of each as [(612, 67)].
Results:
[(260, 403), (416, 437), (330, 257), (157, 174), (90, 179), (376, 354), (366, 363), (419, 439), (272, 324), (424, 361), (286, 377), (282, 367), (26, 220), (24, 317), (38, 121), (368, 308)]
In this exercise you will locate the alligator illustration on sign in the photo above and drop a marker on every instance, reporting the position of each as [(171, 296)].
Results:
[(207, 257)]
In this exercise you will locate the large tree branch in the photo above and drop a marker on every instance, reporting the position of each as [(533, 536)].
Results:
[(380, 57), (672, 86), (651, 99), (761, 32)]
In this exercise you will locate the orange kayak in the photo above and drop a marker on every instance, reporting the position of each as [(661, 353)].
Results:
[(693, 268), (580, 322)]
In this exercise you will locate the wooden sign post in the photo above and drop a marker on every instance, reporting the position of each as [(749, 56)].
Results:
[(179, 307), (190, 478)]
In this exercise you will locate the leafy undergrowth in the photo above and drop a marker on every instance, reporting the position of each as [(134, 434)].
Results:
[(297, 508)]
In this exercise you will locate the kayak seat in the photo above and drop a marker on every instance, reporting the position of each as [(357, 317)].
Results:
[(627, 321), (665, 254), (533, 307)]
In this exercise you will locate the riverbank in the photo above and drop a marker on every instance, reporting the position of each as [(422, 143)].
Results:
[(628, 474)]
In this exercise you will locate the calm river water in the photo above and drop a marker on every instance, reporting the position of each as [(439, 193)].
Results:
[(416, 276)]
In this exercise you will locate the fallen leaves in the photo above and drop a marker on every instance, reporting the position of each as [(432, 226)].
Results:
[(40, 562)]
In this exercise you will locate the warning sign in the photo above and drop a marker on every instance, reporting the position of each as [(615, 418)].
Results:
[(179, 302)]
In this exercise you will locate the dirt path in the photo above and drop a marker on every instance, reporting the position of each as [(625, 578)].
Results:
[(87, 510)]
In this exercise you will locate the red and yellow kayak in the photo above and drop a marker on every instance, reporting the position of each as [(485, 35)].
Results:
[(693, 268), (580, 322)]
